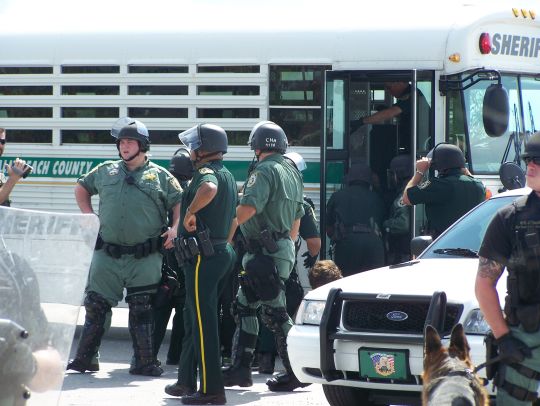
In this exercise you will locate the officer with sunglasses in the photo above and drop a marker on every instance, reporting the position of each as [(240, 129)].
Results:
[(512, 240), (15, 172)]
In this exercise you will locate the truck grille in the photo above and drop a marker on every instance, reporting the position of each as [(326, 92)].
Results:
[(371, 316)]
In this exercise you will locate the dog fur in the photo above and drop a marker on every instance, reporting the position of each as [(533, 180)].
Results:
[(448, 378)]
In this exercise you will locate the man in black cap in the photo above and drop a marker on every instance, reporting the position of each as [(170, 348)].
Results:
[(512, 242)]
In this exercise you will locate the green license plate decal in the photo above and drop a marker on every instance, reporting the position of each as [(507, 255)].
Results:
[(384, 363)]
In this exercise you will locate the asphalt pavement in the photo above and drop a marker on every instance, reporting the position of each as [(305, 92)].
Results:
[(113, 385)]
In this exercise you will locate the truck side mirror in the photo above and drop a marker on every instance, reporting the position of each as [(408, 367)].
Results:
[(496, 110), (419, 244)]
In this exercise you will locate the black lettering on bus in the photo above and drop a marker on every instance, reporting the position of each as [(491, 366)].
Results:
[(496, 44), (534, 53), (523, 49), (506, 42), (515, 44)]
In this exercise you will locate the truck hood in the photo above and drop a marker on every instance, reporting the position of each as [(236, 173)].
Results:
[(454, 276)]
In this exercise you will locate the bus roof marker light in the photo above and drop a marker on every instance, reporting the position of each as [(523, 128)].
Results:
[(524, 13), (485, 43), (532, 14), (455, 57), (516, 12)]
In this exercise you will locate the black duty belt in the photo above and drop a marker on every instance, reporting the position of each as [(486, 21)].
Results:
[(139, 250), (358, 228)]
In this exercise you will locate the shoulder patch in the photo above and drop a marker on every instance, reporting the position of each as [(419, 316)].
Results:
[(205, 171), (113, 171), (252, 179), (150, 176), (424, 184), (175, 184)]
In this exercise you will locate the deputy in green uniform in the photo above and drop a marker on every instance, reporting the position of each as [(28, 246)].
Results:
[(449, 195), (294, 292), (135, 196), (269, 217), (208, 211), (354, 216)]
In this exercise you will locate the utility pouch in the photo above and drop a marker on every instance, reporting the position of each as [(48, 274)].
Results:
[(268, 241), (179, 251), (192, 246), (248, 291), (205, 245), (529, 316), (263, 277), (491, 352)]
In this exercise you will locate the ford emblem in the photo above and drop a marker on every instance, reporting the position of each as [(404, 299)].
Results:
[(397, 316)]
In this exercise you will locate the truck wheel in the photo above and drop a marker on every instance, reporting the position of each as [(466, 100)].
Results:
[(345, 396)]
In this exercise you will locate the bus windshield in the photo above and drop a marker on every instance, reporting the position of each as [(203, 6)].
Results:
[(488, 153)]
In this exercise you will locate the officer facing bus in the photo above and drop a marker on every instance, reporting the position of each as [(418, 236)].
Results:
[(269, 217), (449, 195), (354, 216), (208, 210), (135, 196), (512, 241)]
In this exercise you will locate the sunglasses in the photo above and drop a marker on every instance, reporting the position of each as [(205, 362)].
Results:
[(2, 141), (534, 159)]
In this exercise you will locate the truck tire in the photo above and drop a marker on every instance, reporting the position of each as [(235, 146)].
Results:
[(346, 396)]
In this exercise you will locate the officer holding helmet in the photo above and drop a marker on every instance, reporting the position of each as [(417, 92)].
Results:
[(172, 291), (135, 196), (512, 240), (448, 196), (396, 226), (354, 216), (208, 211), (269, 217)]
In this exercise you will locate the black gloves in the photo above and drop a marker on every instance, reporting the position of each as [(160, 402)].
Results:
[(512, 349), (310, 260)]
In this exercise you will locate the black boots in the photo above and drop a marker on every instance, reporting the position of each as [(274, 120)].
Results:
[(239, 374), (267, 361), (284, 382), (199, 398), (177, 389)]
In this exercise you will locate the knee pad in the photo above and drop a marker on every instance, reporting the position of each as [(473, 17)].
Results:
[(140, 307), (94, 304), (274, 317)]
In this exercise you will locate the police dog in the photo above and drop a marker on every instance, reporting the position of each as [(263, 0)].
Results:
[(448, 372)]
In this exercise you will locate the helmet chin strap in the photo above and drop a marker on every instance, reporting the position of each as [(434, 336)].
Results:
[(131, 158)]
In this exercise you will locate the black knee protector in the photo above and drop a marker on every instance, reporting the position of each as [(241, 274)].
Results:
[(140, 305), (96, 307), (274, 317)]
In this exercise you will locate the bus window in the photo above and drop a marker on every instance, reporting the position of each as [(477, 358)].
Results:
[(335, 114), (531, 103)]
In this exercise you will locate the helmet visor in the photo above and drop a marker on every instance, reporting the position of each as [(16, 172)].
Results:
[(125, 121), (191, 138)]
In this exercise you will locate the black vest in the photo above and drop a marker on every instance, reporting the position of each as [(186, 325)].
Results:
[(524, 262)]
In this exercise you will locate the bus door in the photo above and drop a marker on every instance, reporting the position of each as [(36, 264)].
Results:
[(352, 95)]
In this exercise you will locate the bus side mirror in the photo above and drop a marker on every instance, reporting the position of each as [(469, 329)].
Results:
[(496, 110), (419, 244)]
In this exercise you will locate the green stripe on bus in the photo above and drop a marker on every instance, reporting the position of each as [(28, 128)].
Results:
[(75, 167)]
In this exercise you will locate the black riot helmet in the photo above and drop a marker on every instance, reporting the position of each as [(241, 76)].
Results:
[(181, 166), (207, 138), (532, 148), (446, 156), (359, 172), (268, 136), (128, 127), (401, 170)]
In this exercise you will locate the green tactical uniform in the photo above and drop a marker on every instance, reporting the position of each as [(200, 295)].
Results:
[(274, 189), (205, 277), (356, 213), (447, 198), (129, 214)]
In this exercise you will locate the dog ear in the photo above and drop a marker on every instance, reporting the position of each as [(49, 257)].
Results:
[(432, 341), (459, 346)]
